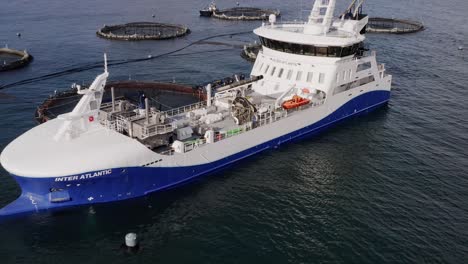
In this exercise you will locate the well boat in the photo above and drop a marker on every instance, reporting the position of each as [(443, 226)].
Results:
[(106, 152), (209, 10)]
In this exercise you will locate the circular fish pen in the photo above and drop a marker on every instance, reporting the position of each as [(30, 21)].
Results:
[(245, 13), (143, 31), (393, 26), (170, 93), (11, 59)]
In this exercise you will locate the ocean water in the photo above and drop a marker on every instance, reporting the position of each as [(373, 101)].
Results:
[(389, 187)]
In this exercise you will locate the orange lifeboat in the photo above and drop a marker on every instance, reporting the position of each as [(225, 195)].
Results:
[(295, 102)]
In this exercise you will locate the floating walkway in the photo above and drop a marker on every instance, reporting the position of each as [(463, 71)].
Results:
[(11, 59), (143, 31), (393, 26), (245, 13)]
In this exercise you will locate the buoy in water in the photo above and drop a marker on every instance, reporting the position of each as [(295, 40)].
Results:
[(131, 240), (131, 244), (18, 34), (460, 48)]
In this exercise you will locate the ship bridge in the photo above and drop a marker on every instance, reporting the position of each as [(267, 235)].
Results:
[(320, 36), (316, 54)]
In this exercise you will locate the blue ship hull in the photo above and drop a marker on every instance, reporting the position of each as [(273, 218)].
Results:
[(126, 183)]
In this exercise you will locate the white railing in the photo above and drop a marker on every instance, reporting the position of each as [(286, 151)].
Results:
[(233, 132), (122, 124), (148, 131), (168, 152), (193, 144), (112, 125), (185, 109)]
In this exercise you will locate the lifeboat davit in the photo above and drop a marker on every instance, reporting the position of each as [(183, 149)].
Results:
[(295, 102)]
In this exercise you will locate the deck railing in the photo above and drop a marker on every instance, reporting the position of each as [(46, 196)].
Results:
[(185, 109), (148, 131), (112, 125)]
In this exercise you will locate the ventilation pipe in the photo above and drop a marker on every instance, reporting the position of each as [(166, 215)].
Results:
[(147, 110), (208, 93), (113, 99)]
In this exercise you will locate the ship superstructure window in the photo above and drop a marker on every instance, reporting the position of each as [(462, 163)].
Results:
[(310, 50), (261, 66), (266, 69), (364, 66), (92, 105), (273, 71), (280, 73), (290, 72), (354, 84), (310, 75), (321, 77), (299, 76), (323, 11), (321, 51)]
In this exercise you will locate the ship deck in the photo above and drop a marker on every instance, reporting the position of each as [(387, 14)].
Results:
[(231, 111)]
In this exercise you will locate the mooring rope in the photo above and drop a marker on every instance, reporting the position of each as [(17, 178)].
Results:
[(90, 66)]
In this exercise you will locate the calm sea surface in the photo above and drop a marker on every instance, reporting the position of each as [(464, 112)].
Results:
[(390, 187)]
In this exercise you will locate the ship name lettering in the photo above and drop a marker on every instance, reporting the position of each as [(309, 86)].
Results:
[(83, 176)]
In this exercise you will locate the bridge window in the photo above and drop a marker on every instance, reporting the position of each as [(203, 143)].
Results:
[(266, 69), (322, 51), (310, 50), (273, 71), (334, 52)]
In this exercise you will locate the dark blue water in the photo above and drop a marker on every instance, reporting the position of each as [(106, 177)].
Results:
[(390, 187)]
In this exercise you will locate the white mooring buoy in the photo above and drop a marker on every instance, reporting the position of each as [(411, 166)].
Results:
[(460, 48), (131, 240)]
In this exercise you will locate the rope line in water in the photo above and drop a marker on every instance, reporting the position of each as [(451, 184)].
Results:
[(90, 66)]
